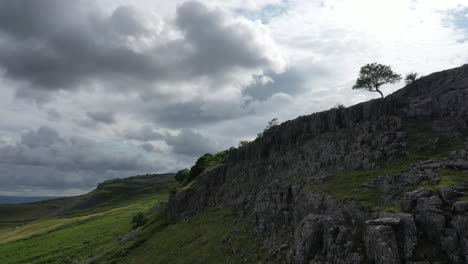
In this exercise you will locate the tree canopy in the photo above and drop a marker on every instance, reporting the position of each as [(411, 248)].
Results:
[(374, 75)]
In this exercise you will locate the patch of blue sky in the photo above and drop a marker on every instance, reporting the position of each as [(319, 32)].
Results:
[(459, 20), (266, 14)]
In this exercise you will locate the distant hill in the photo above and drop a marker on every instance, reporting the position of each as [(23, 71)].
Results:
[(25, 199), (105, 194)]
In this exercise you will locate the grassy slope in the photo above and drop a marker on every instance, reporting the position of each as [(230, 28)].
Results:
[(213, 236), (85, 233), (76, 240), (89, 234), (50, 224)]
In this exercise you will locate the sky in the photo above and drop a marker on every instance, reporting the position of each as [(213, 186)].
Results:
[(94, 90)]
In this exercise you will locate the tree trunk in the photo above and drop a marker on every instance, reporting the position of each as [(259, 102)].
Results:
[(377, 90)]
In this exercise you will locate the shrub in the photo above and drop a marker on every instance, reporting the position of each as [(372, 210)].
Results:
[(243, 143), (139, 220), (182, 175), (339, 106), (202, 163), (411, 77), (173, 190)]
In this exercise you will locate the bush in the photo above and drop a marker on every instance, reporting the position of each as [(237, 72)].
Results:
[(339, 106), (139, 220), (202, 163), (411, 77), (173, 190), (182, 175), (243, 143)]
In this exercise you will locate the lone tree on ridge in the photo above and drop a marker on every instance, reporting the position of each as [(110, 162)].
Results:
[(374, 75)]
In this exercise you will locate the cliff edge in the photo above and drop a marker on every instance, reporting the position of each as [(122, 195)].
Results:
[(384, 181)]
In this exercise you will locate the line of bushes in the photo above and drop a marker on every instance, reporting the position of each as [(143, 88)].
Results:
[(186, 176)]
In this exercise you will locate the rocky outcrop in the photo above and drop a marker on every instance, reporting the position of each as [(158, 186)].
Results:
[(282, 181)]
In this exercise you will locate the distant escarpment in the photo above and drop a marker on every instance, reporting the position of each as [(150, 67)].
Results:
[(385, 181)]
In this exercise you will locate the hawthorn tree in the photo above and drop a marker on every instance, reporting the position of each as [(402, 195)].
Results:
[(374, 75)]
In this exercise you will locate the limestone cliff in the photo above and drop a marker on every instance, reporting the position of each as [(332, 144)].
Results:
[(383, 181)]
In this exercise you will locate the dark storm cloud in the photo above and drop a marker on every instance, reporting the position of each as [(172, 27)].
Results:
[(55, 44), (45, 158), (102, 117)]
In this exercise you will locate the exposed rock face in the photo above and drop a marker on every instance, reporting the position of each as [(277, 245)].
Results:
[(278, 182)]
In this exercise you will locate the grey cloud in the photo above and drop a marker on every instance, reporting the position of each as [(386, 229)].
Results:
[(45, 158), (55, 44), (191, 114), (192, 143), (53, 115), (187, 142), (43, 137), (102, 117), (126, 20), (144, 134), (216, 42), (148, 147)]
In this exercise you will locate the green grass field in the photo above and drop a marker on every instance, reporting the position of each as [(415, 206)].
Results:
[(80, 234), (213, 236)]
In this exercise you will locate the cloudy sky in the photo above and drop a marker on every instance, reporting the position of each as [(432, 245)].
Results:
[(93, 90)]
